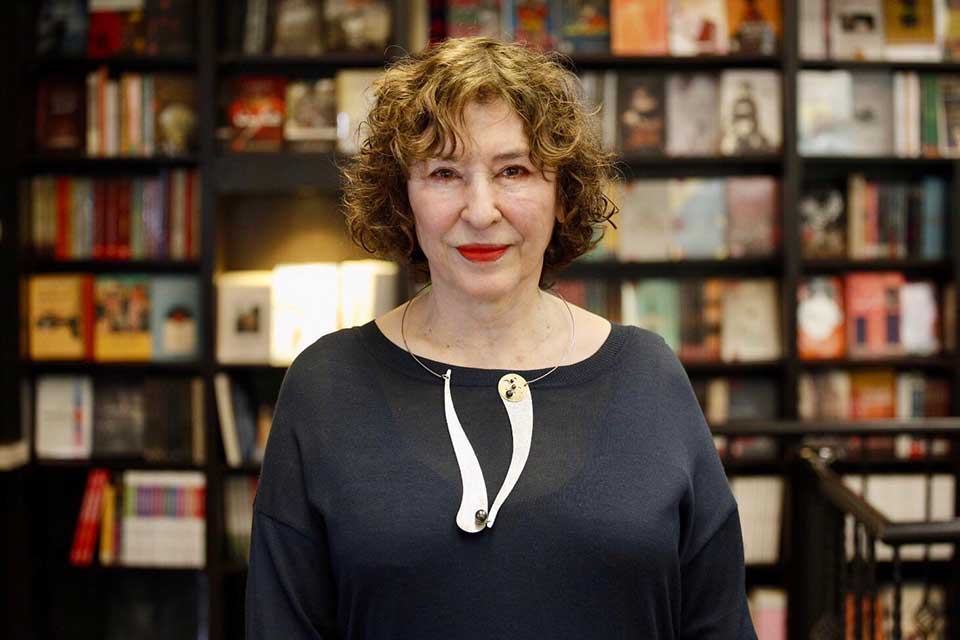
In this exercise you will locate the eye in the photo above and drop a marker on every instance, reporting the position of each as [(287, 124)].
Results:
[(515, 171), (443, 173)]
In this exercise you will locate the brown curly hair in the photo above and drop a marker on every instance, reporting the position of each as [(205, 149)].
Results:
[(418, 106)]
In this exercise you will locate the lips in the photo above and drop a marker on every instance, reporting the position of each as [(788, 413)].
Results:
[(482, 252)]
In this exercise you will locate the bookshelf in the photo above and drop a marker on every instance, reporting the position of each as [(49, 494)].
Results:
[(234, 187)]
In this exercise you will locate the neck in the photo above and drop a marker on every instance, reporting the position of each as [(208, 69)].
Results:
[(529, 330)]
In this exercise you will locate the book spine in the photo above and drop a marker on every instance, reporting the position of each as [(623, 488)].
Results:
[(85, 534), (62, 249)]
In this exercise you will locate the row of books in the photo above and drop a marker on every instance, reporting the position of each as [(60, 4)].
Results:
[(147, 218), (760, 502), (142, 519), (245, 419), (695, 218), (272, 113), (133, 115), (309, 27), (75, 28), (157, 419), (919, 30), (238, 504), (621, 27), (271, 316), (871, 394), (878, 113), (731, 113), (131, 317), (874, 219), (870, 315), (708, 319)]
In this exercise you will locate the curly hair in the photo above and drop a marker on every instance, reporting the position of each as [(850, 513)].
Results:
[(418, 108)]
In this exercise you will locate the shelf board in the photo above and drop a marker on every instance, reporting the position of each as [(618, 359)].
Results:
[(634, 166), (118, 569), (915, 266), (127, 368), (78, 163), (276, 172), (61, 64), (586, 62), (764, 575), (732, 368), (45, 265), (881, 65), (853, 162), (755, 467), (247, 468), (255, 367), (672, 268), (932, 426), (116, 464), (324, 64), (898, 362)]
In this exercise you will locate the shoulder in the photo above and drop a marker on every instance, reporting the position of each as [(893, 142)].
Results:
[(335, 358)]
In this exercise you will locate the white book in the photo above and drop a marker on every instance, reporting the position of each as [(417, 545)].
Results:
[(244, 317), (751, 321), (64, 417), (813, 30), (305, 306), (112, 118), (750, 112), (645, 221), (856, 30), (368, 288), (919, 318), (824, 112), (690, 20), (226, 419)]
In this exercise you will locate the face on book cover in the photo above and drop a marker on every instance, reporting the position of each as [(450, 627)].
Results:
[(484, 217)]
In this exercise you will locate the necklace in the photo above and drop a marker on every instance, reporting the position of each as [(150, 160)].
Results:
[(517, 398)]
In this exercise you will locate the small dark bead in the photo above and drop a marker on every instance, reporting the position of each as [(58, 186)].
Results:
[(480, 516), (509, 393)]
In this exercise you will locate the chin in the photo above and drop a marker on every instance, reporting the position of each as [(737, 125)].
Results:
[(489, 287)]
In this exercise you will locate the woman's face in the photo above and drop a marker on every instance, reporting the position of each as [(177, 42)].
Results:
[(484, 218)]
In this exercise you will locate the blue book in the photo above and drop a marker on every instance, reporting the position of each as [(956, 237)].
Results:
[(176, 318), (933, 231)]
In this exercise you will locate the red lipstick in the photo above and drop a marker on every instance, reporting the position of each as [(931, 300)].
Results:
[(482, 252)]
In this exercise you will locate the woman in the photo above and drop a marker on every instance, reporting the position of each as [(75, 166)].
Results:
[(435, 473)]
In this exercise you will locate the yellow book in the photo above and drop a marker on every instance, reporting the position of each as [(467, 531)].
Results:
[(60, 310), (122, 330), (909, 22), (108, 525)]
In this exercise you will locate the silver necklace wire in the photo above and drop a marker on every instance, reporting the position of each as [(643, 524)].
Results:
[(444, 377)]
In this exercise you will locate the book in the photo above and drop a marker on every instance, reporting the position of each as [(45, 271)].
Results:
[(354, 99), (645, 221), (175, 318), (754, 26), (873, 118), (653, 304), (298, 28), (910, 30), (873, 313), (119, 418), (583, 26), (244, 316), (751, 320), (256, 113), (823, 223), (825, 112), (174, 419), (856, 29), (115, 29), (639, 27), (531, 22), (61, 28), (175, 114), (820, 319), (693, 120), (88, 520), (356, 25), (60, 317), (368, 289), (701, 317), (750, 114), (642, 113), (699, 218), (64, 417), (122, 325), (170, 28), (919, 318), (311, 115), (60, 115), (305, 304), (813, 31), (467, 18), (698, 27), (163, 519), (753, 204)]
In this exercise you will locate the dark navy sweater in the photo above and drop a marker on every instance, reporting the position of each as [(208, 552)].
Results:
[(622, 524)]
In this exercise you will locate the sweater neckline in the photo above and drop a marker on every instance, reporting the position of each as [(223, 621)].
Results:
[(395, 356)]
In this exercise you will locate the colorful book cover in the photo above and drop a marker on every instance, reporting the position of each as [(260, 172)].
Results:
[(820, 322), (256, 113), (64, 417), (693, 118), (584, 26), (311, 115), (118, 419), (60, 317), (122, 318), (656, 306), (645, 221), (175, 116), (639, 28), (823, 223), (244, 317), (698, 27), (872, 394), (754, 25), (699, 213), (533, 22), (873, 313), (753, 205), (824, 112), (473, 18), (909, 22), (642, 116), (750, 113), (175, 318)]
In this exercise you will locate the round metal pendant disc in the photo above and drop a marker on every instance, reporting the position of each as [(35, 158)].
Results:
[(512, 387)]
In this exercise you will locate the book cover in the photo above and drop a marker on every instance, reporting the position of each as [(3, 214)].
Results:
[(368, 289), (62, 28), (820, 322), (873, 313), (244, 316), (754, 26), (473, 18), (116, 30), (872, 394), (175, 113), (311, 115), (932, 218), (354, 99), (948, 116), (357, 25), (256, 113), (175, 319), (655, 305), (60, 317), (951, 37), (305, 304), (872, 123), (920, 318), (909, 22), (60, 115), (824, 112), (698, 27), (645, 221), (701, 315), (118, 419), (122, 329), (583, 26), (752, 399), (751, 320), (170, 27), (693, 119), (753, 205), (699, 218), (532, 22), (639, 28), (64, 417), (813, 29), (642, 116), (856, 29), (750, 113), (298, 28)]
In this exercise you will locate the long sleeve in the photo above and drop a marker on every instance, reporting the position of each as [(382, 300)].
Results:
[(713, 596), (290, 589)]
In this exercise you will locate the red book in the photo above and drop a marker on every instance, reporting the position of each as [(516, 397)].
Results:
[(257, 113), (123, 219), (190, 179), (62, 251), (88, 523), (99, 219), (88, 317), (110, 221)]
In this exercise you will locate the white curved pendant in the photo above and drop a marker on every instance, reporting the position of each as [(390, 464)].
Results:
[(472, 515)]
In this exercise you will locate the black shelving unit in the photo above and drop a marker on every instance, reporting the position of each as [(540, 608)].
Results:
[(225, 176)]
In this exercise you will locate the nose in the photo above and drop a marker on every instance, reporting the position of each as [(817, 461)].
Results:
[(481, 208)]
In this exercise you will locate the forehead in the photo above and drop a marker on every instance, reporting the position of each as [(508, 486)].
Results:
[(486, 129)]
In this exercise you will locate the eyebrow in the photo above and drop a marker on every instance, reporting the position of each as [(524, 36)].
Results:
[(513, 154)]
